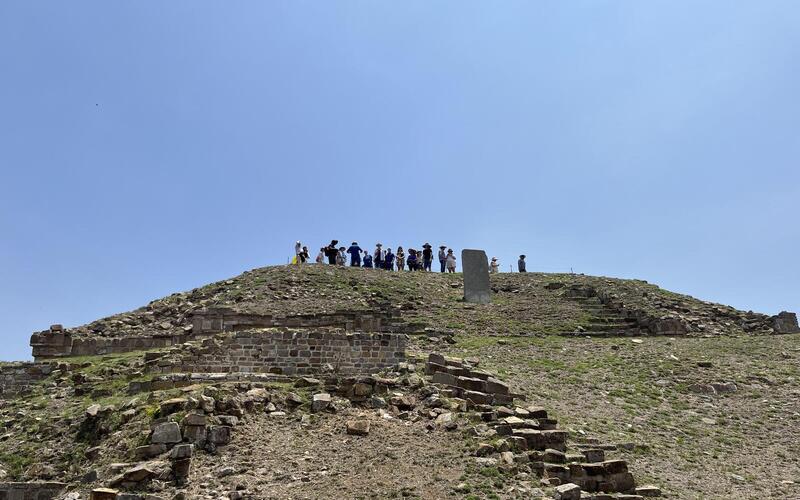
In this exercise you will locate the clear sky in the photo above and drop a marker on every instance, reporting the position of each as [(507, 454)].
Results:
[(152, 147)]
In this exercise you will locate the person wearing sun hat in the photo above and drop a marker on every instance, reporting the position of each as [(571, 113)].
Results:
[(442, 257), (521, 264), (494, 266), (427, 256), (451, 261)]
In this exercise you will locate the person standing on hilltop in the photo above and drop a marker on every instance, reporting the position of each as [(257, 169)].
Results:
[(401, 259), (341, 257), (367, 260), (298, 247), (388, 260), (442, 257), (378, 260), (355, 254), (412, 260), (427, 256), (303, 256), (451, 261), (331, 252), (494, 266), (321, 256), (521, 264)]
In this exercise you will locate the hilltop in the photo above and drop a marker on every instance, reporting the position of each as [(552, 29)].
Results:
[(695, 398)]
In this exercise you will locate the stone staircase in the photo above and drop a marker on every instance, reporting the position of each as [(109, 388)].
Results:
[(603, 321), (518, 438)]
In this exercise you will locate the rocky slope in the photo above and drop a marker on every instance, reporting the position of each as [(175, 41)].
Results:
[(699, 399)]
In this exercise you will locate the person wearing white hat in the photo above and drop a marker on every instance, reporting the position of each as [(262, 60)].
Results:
[(298, 247)]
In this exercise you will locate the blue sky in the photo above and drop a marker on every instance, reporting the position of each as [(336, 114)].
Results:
[(152, 147)]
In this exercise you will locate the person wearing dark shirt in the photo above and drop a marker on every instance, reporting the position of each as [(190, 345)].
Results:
[(412, 260), (355, 254), (427, 256), (378, 259), (303, 255), (521, 264), (367, 260), (331, 252), (388, 260)]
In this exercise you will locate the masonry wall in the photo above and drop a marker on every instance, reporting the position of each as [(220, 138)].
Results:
[(53, 344), (213, 320), (30, 491), (292, 353), (17, 378)]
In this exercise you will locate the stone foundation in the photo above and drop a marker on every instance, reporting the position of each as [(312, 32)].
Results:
[(30, 491), (291, 352), (58, 342), (16, 378), (213, 320)]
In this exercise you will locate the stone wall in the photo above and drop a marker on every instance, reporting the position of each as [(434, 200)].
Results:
[(291, 352), (30, 491), (213, 320), (16, 378), (49, 344), (58, 342)]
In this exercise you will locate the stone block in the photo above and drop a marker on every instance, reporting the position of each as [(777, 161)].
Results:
[(471, 384), (219, 435), (150, 451), (568, 491), (358, 427), (167, 432), (320, 402), (103, 494), (476, 276)]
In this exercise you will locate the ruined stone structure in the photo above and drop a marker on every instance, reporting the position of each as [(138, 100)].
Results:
[(289, 352), (30, 491), (58, 342), (17, 378)]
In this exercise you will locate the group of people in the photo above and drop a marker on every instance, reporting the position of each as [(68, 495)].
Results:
[(380, 258), (417, 260)]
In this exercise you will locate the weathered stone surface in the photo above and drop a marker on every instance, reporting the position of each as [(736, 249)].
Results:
[(594, 455), (648, 491), (150, 451), (219, 434), (194, 419), (168, 432), (569, 491), (182, 451), (171, 406), (785, 322), (476, 277), (103, 494), (320, 402), (358, 427)]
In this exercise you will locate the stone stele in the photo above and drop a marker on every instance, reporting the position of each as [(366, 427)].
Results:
[(476, 277)]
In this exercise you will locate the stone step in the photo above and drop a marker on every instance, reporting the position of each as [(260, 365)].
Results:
[(611, 319), (628, 332), (606, 326)]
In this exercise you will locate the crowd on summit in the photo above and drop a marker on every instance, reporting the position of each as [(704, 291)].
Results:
[(380, 258)]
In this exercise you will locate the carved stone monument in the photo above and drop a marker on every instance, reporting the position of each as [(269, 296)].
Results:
[(476, 277)]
